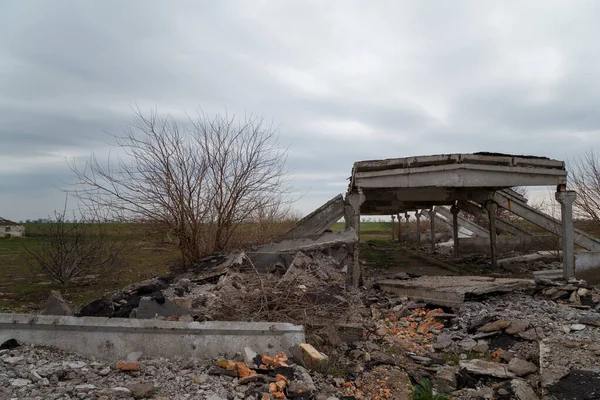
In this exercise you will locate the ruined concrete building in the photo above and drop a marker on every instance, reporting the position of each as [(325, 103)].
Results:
[(475, 183)]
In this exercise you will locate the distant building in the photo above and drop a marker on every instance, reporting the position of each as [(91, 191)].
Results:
[(10, 228)]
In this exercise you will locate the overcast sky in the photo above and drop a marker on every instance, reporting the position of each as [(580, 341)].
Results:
[(344, 80)]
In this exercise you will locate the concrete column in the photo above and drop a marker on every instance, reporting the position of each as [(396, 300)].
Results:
[(492, 208), (454, 210), (352, 218), (418, 216), (566, 199), (432, 223), (399, 227), (393, 226), (407, 224)]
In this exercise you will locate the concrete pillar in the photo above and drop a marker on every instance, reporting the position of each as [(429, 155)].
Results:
[(566, 199), (418, 216), (432, 227), (454, 210), (393, 226), (492, 208), (352, 218), (407, 224), (399, 227)]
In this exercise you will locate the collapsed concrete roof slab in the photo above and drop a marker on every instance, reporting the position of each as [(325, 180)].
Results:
[(318, 221), (402, 184), (451, 291)]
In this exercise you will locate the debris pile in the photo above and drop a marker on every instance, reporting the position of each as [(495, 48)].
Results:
[(311, 290)]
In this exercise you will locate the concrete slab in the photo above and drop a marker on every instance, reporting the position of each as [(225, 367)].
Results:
[(451, 291), (113, 339), (328, 239), (317, 221)]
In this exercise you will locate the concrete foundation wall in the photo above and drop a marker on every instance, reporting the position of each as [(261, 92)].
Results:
[(506, 244), (113, 339)]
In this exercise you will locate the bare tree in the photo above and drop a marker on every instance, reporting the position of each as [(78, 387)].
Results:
[(200, 178), (585, 180), (73, 251)]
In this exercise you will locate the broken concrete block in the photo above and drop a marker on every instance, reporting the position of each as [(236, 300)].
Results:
[(593, 320), (56, 305), (308, 356), (494, 326), (142, 390), (521, 367), (249, 356), (533, 334), (522, 390), (517, 326), (488, 368)]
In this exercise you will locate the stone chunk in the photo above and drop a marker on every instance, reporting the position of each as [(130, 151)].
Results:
[(533, 334), (494, 326), (517, 326), (593, 320), (488, 368), (56, 305), (308, 356), (522, 390), (142, 390), (19, 382), (521, 367)]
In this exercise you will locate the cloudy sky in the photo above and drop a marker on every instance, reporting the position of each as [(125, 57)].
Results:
[(344, 80)]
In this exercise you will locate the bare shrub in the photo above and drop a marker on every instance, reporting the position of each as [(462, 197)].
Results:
[(201, 179), (585, 180), (77, 251)]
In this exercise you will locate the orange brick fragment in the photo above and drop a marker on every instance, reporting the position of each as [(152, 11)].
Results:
[(226, 364), (243, 371), (128, 366)]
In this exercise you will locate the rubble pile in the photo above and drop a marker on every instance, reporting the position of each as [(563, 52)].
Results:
[(311, 290), (40, 373)]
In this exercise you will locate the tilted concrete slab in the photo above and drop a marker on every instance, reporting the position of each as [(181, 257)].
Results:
[(327, 239), (505, 200), (452, 291), (317, 221), (505, 226), (113, 339)]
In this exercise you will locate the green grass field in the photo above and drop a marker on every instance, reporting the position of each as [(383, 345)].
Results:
[(24, 289)]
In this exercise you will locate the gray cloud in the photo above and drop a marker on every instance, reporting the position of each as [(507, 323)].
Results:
[(343, 80)]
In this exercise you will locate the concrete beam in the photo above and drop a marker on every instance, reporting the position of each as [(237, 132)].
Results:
[(472, 226), (544, 221), (460, 175), (318, 221), (112, 339), (328, 239)]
